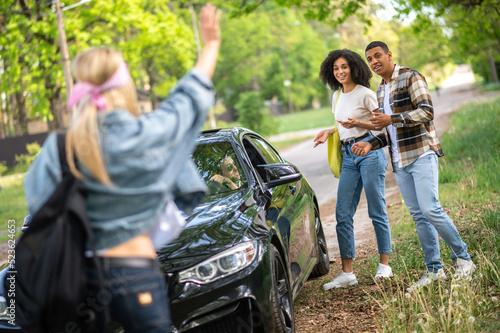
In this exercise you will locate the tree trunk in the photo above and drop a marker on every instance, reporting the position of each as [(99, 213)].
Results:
[(287, 81), (21, 112), (54, 108), (493, 69), (2, 122), (15, 115), (152, 83)]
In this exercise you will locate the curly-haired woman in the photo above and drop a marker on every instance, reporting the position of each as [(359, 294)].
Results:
[(346, 73)]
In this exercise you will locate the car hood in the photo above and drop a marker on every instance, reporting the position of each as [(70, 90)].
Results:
[(212, 227)]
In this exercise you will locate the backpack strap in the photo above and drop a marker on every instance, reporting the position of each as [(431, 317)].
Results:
[(66, 172), (63, 161)]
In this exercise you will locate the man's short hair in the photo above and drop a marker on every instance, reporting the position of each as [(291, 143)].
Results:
[(377, 43)]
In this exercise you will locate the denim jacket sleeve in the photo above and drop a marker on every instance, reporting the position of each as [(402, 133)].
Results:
[(43, 175)]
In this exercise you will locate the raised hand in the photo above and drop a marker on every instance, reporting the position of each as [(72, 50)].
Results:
[(210, 35), (209, 24)]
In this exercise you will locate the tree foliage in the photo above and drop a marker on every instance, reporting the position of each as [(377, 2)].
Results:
[(272, 49), (157, 45), (472, 26)]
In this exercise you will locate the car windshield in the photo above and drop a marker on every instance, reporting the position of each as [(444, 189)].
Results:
[(219, 167)]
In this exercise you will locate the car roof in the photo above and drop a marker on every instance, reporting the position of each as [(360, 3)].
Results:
[(232, 133)]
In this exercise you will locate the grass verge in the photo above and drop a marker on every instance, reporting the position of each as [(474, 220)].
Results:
[(13, 204), (310, 119), (470, 180)]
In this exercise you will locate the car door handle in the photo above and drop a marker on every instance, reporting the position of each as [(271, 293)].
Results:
[(292, 189)]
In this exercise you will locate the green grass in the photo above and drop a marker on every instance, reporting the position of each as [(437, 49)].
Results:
[(311, 119), (13, 204), (279, 144), (489, 87), (473, 147), (469, 187)]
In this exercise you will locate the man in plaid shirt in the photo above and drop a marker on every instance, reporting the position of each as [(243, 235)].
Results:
[(407, 114)]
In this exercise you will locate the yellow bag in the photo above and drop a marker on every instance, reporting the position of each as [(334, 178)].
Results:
[(334, 148)]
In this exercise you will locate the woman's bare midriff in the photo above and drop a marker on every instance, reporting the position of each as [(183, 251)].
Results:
[(139, 246)]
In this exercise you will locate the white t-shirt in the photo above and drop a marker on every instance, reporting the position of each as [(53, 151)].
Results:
[(357, 104), (391, 129), (168, 227)]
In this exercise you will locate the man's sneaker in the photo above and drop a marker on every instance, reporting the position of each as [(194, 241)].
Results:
[(464, 269), (341, 280), (383, 271), (427, 279)]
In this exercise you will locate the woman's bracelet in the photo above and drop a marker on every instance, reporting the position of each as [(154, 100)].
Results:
[(358, 124)]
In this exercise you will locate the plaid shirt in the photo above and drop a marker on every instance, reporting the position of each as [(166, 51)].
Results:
[(412, 115)]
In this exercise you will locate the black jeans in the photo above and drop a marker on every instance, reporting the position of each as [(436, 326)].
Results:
[(135, 297)]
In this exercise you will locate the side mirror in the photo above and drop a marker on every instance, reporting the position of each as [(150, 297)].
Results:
[(279, 174), (26, 222)]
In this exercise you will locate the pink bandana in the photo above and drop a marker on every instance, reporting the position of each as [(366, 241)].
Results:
[(82, 89)]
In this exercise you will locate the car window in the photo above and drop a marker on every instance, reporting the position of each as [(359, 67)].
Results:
[(267, 151), (219, 167)]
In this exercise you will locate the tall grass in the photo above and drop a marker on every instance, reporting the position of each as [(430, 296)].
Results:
[(473, 147), (470, 175)]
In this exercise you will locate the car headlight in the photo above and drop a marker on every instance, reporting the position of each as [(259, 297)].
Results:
[(223, 264)]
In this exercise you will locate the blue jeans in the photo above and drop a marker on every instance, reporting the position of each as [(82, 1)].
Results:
[(418, 183), (360, 172), (135, 297)]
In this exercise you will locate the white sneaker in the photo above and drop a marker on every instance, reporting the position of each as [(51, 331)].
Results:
[(383, 271), (427, 279), (464, 269), (341, 280)]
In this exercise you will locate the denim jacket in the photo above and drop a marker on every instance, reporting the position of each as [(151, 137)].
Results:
[(147, 159)]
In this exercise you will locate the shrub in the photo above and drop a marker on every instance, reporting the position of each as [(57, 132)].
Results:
[(23, 161), (3, 167), (252, 114)]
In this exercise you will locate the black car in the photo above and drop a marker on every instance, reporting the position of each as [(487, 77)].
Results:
[(249, 246)]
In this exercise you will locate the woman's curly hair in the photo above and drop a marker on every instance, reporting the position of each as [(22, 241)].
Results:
[(360, 72)]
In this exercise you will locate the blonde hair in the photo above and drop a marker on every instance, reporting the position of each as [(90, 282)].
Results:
[(96, 66)]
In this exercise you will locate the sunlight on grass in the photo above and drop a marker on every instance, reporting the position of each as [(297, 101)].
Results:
[(13, 206), (444, 306), (320, 118)]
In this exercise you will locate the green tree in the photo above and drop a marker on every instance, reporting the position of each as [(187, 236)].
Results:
[(332, 11), (157, 45), (474, 27), (254, 116), (28, 54)]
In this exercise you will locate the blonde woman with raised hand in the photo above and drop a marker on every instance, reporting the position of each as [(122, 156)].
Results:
[(132, 166)]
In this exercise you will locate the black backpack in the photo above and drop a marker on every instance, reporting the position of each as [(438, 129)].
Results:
[(50, 266)]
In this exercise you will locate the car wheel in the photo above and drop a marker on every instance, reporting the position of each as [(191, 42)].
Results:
[(323, 265), (284, 319)]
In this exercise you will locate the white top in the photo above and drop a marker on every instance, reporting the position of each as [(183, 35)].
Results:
[(357, 104), (391, 130), (168, 227)]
